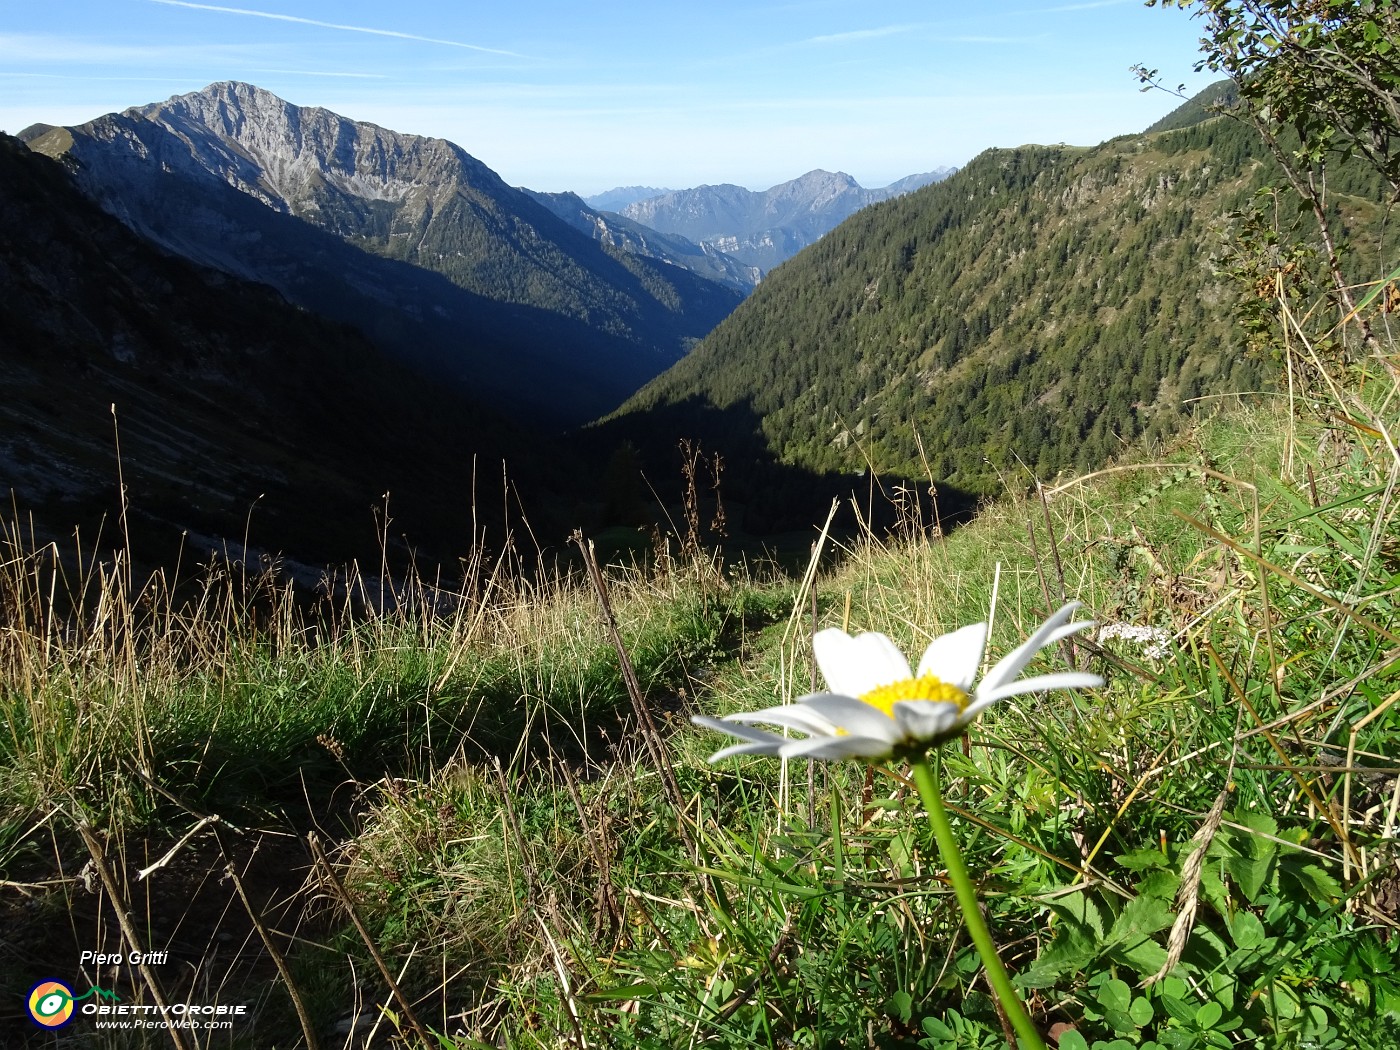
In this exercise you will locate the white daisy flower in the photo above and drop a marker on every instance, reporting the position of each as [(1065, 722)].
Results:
[(877, 708)]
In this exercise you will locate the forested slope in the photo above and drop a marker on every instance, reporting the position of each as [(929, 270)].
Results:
[(1045, 305)]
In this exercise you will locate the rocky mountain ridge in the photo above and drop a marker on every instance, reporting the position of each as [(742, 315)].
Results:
[(410, 239), (280, 153)]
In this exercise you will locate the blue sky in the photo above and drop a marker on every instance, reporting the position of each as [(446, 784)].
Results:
[(586, 96)]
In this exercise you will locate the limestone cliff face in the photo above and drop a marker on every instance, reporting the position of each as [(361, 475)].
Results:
[(300, 159), (274, 149)]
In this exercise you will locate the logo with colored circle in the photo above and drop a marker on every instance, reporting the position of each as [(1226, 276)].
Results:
[(51, 1004)]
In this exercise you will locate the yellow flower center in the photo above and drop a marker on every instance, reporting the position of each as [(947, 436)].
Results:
[(925, 687)]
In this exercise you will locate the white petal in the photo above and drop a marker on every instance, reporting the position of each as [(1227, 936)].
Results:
[(743, 732), (757, 741), (794, 716), (854, 666), (1051, 631), (1038, 684), (854, 716), (927, 719), (754, 748), (836, 748), (953, 658)]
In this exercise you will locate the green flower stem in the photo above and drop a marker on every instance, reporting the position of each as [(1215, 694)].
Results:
[(927, 781)]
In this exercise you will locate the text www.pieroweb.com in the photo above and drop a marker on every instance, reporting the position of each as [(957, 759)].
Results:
[(189, 1017), (164, 1024)]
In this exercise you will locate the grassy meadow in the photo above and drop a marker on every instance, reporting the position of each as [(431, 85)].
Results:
[(446, 820)]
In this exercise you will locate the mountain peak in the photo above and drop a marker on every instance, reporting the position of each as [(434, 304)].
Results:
[(818, 189), (1205, 104), (283, 153), (822, 175), (619, 197), (231, 96), (224, 104), (233, 89)]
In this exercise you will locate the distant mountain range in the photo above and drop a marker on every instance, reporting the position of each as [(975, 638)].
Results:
[(726, 233), (764, 228), (619, 232), (618, 198), (410, 239)]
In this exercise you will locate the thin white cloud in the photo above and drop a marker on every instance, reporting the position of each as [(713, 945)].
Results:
[(896, 30), (931, 28), (859, 34), (323, 73), (334, 25), (990, 39)]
